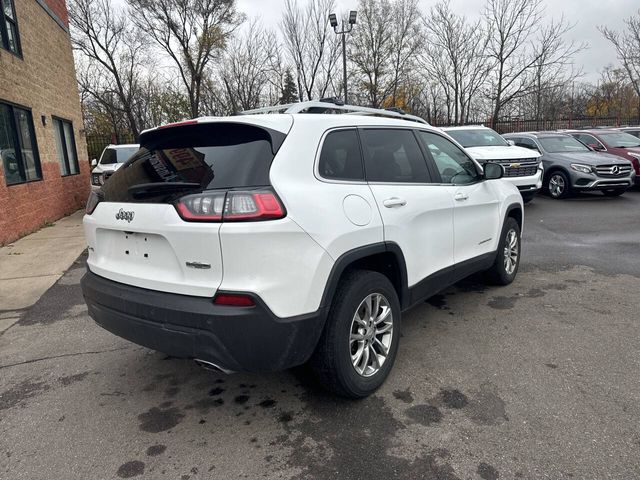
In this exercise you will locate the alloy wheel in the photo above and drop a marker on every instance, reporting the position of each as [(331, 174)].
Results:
[(556, 185), (511, 251), (371, 334)]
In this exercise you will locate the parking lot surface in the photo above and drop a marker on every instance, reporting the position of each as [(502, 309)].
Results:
[(535, 380)]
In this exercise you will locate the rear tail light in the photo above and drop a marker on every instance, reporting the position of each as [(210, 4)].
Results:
[(92, 202), (231, 206), (233, 300), (203, 207)]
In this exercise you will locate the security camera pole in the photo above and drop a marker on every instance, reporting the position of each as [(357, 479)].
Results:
[(333, 19)]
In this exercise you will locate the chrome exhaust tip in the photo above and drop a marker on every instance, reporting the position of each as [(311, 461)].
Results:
[(212, 366)]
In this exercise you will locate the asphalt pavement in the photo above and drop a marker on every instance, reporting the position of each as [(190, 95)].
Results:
[(537, 380)]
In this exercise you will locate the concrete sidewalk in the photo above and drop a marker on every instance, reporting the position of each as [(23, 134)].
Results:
[(31, 265)]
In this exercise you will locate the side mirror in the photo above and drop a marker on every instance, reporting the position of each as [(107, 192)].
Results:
[(94, 162), (596, 146), (511, 143), (493, 171)]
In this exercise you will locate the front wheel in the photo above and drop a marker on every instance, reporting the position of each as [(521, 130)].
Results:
[(505, 267), (358, 346), (558, 185)]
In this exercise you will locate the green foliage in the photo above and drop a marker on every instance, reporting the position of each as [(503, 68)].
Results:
[(289, 90)]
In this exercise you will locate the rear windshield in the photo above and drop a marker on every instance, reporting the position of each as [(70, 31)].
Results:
[(195, 158)]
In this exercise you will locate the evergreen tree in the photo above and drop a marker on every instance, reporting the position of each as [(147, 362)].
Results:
[(289, 91)]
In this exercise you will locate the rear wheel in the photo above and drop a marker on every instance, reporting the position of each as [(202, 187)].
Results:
[(358, 346), (558, 185), (615, 192), (505, 266)]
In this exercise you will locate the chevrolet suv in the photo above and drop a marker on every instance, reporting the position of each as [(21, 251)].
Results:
[(523, 167), (261, 242), (112, 158), (571, 166)]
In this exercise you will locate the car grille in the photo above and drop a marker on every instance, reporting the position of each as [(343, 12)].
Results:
[(519, 168), (620, 170)]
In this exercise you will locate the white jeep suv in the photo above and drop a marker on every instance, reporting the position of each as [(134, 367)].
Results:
[(257, 243), (523, 167)]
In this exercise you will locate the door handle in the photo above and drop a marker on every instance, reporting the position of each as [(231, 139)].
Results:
[(394, 202), (460, 196)]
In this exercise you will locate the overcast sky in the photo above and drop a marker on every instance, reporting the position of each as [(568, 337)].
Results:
[(586, 14)]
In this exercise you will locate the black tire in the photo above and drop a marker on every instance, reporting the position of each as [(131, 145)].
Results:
[(556, 177), (498, 273), (616, 192), (331, 362)]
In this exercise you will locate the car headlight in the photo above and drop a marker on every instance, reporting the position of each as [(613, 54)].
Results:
[(95, 179), (581, 168)]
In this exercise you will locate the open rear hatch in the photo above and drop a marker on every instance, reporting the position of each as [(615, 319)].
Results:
[(155, 223)]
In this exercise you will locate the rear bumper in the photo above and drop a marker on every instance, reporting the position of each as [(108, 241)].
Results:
[(248, 339)]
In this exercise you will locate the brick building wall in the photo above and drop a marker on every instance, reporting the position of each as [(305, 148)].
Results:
[(43, 80)]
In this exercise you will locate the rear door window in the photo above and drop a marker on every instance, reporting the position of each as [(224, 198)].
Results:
[(393, 156), (340, 158), (205, 156)]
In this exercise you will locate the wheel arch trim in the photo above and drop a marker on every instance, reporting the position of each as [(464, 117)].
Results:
[(352, 256)]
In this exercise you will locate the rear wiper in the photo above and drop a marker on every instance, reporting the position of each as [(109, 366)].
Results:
[(144, 190)]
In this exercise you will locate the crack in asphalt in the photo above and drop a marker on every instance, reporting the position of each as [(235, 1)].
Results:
[(34, 360)]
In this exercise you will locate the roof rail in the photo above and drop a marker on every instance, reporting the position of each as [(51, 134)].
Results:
[(327, 105)]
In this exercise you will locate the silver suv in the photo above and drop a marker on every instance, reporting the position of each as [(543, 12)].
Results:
[(570, 166)]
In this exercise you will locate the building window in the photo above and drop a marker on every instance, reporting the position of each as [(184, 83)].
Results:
[(18, 147), (9, 39), (66, 146)]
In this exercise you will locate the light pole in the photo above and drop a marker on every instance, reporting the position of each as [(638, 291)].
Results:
[(333, 19)]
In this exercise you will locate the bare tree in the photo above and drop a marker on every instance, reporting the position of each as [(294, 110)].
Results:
[(627, 46), (552, 72), (384, 48), (372, 48), (114, 53), (518, 41), (613, 96), (311, 45), (454, 55), (247, 67), (407, 40), (191, 32)]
